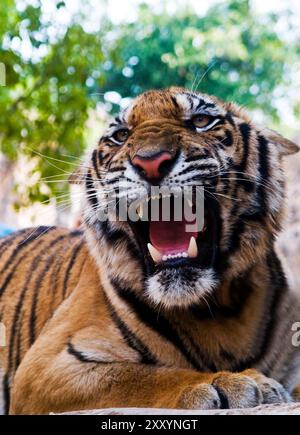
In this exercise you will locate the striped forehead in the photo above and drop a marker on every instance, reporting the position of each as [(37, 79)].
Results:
[(189, 102), (196, 103)]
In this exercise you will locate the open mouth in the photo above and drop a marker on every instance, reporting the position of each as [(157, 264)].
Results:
[(167, 243)]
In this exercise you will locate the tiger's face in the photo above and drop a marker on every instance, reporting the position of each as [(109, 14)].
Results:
[(174, 139)]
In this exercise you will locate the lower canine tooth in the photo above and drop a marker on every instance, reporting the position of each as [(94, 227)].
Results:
[(155, 254), (193, 248)]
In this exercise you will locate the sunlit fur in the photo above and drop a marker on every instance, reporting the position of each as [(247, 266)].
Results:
[(117, 335)]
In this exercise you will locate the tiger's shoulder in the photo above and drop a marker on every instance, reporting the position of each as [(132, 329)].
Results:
[(39, 268), (45, 251)]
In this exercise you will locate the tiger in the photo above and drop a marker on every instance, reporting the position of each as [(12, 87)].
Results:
[(143, 313)]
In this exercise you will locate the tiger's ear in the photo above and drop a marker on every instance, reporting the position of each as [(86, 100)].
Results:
[(286, 147), (78, 176)]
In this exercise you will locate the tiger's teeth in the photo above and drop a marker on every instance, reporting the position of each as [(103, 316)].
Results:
[(155, 254), (140, 211), (193, 248)]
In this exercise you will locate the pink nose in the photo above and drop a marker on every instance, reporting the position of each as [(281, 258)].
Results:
[(153, 166)]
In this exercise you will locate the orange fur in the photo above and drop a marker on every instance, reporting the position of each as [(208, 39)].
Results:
[(78, 338)]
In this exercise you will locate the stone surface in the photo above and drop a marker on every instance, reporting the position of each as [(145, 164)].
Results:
[(290, 409)]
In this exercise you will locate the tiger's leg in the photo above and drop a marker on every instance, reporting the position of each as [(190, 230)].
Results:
[(67, 381), (82, 361)]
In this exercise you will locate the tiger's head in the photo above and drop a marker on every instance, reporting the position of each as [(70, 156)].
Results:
[(172, 139)]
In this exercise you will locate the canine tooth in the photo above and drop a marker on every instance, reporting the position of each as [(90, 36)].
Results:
[(155, 254), (193, 248), (165, 258), (140, 211)]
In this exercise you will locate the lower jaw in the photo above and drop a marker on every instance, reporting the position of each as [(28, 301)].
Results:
[(181, 288)]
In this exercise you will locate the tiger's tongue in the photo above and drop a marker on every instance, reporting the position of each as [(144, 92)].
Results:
[(170, 237)]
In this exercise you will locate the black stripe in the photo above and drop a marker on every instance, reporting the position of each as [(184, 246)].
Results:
[(224, 179), (19, 305), (203, 104), (32, 237), (116, 169), (34, 302), (263, 171), (237, 231), (38, 282), (278, 287), (266, 329), (229, 118), (112, 180), (91, 190), (191, 101), (196, 157), (248, 185), (100, 157), (77, 233), (71, 264), (18, 344), (79, 355), (253, 216), (153, 320), (201, 178), (131, 339), (228, 140), (239, 225), (245, 133), (113, 235), (34, 234), (6, 241), (9, 277), (55, 283), (6, 393), (106, 156), (95, 164), (113, 124), (175, 102), (209, 166)]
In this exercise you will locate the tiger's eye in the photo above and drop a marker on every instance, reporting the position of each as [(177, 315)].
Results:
[(121, 135), (201, 121)]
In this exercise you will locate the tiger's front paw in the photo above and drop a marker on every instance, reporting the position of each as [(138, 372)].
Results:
[(234, 390), (202, 396), (273, 392), (249, 389)]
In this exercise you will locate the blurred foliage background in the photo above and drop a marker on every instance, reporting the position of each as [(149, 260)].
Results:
[(66, 68)]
